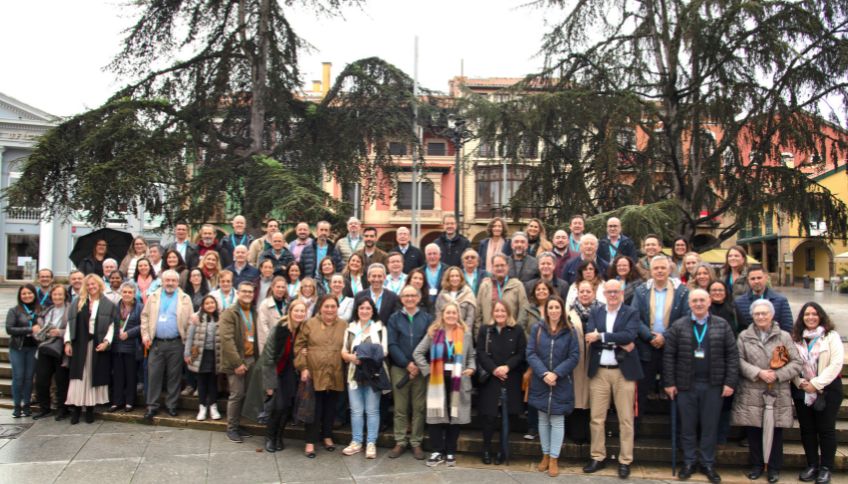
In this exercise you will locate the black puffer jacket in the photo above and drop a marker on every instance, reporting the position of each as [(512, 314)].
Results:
[(679, 354)]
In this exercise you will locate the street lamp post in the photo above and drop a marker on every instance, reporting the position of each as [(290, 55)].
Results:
[(456, 130)]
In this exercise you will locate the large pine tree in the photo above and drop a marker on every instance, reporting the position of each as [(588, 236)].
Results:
[(211, 117)]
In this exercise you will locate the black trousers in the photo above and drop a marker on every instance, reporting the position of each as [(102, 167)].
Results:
[(755, 447), (46, 369), (699, 407), (652, 367), (818, 429), (277, 422), (325, 412), (207, 387), (124, 372), (577, 426), (443, 438)]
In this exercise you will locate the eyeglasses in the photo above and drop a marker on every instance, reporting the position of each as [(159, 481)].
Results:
[(612, 293)]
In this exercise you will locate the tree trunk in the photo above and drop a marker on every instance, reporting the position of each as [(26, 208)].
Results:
[(260, 79)]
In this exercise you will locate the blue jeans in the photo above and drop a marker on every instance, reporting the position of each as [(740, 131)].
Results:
[(551, 433), (23, 370), (364, 401)]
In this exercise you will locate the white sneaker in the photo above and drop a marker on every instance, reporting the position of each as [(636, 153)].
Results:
[(371, 451), (213, 412), (353, 448), (201, 413)]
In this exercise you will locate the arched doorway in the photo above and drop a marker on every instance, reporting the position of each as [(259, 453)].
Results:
[(429, 237), (478, 237), (387, 240), (812, 258)]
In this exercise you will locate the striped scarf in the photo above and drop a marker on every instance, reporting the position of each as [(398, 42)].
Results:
[(436, 386)]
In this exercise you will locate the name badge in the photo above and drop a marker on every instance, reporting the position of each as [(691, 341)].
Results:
[(699, 354), (449, 367), (250, 338), (163, 319), (434, 291)]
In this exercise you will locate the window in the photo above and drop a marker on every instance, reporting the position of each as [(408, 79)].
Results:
[(811, 259), (397, 149), (486, 150), (404, 196), (21, 256), (436, 148), (492, 198), (530, 148), (349, 193)]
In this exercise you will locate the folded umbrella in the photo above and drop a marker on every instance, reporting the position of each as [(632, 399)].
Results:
[(504, 424)]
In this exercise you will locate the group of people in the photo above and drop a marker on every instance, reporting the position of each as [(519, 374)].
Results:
[(315, 330)]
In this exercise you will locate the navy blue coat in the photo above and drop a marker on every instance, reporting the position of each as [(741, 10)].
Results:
[(782, 311), (227, 246), (626, 246), (133, 328), (558, 353), (484, 247), (625, 330), (642, 303), (309, 258), (248, 274), (403, 337), (569, 272), (412, 259)]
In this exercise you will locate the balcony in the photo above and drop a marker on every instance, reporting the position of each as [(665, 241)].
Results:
[(23, 215)]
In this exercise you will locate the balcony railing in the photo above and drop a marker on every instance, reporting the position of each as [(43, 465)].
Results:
[(23, 214)]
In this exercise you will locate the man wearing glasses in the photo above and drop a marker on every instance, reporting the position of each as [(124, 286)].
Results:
[(614, 369)]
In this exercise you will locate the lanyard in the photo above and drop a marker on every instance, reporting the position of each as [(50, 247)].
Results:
[(378, 301), (29, 313), (241, 242), (248, 319), (44, 297), (352, 245), (700, 337), (472, 281), (613, 248), (410, 317), (359, 330), (433, 280), (166, 302), (227, 302), (574, 247), (326, 286), (354, 286), (281, 307), (812, 343), (294, 288), (501, 287), (450, 345), (395, 285)]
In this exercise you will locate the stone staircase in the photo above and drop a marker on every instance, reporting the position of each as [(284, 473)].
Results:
[(652, 446)]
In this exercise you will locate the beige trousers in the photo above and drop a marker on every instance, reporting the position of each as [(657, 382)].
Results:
[(609, 385)]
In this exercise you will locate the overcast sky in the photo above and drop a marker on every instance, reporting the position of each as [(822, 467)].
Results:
[(54, 51)]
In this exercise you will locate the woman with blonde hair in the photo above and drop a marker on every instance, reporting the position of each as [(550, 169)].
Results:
[(690, 262), (91, 325), (456, 290), (446, 357), (210, 266), (308, 293), (537, 239), (501, 357), (701, 277), (138, 249)]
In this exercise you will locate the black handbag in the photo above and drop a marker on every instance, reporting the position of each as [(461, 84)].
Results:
[(52, 347)]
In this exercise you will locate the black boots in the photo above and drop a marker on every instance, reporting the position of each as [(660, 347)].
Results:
[(89, 414), (75, 415)]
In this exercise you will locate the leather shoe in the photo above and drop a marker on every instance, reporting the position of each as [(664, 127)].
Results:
[(624, 471), (755, 473), (711, 474), (594, 466), (773, 475), (270, 445), (499, 458), (686, 471), (148, 416), (487, 457), (41, 414), (824, 476), (172, 412), (809, 474), (418, 453), (397, 451)]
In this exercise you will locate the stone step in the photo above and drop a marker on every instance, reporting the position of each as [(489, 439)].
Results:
[(5, 370), (4, 354), (657, 451)]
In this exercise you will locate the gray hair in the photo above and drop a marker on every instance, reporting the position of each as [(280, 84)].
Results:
[(660, 257), (585, 237), (113, 261), (432, 245), (546, 255), (763, 302), (376, 266), (129, 284), (169, 272), (521, 234), (700, 292)]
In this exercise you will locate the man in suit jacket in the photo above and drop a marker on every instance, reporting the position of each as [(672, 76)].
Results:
[(588, 251), (660, 301), (758, 284), (183, 245), (386, 301), (434, 269), (522, 266), (412, 256), (614, 370), (615, 243)]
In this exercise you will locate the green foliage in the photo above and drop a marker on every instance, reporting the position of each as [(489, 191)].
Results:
[(643, 101), (185, 138), (637, 221)]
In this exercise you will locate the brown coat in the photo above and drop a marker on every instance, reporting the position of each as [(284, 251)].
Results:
[(580, 375), (230, 347), (754, 355), (324, 353)]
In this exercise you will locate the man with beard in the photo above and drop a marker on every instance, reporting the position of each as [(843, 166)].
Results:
[(321, 247), (370, 252)]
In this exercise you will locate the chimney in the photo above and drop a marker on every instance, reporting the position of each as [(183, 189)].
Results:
[(325, 85), (316, 86)]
